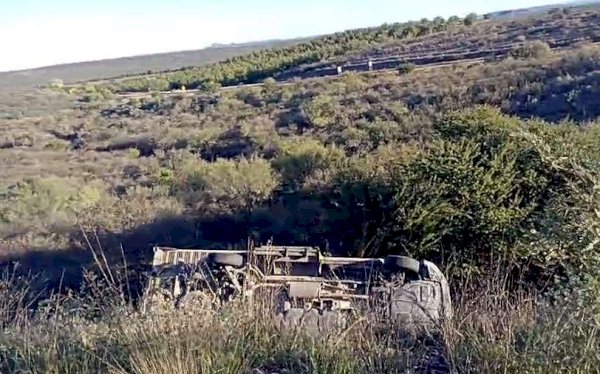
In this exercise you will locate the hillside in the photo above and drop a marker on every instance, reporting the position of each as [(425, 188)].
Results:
[(538, 10), (92, 70), (389, 46), (472, 144), (130, 141)]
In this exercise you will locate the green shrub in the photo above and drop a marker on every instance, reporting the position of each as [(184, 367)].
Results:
[(406, 68), (133, 153), (42, 206), (304, 161), (321, 111), (488, 191), (470, 19), (484, 188), (270, 84), (210, 86), (226, 186)]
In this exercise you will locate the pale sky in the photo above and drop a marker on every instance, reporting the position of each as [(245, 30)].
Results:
[(37, 33)]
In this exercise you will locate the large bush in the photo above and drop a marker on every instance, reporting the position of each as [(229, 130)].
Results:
[(304, 161), (46, 207), (488, 191), (226, 186)]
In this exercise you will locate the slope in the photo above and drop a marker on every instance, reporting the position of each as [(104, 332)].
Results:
[(102, 69)]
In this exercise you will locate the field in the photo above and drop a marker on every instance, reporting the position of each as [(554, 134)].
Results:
[(489, 168)]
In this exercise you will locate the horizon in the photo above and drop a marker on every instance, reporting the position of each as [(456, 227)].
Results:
[(67, 32)]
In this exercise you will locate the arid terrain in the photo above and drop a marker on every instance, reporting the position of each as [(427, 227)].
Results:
[(472, 143)]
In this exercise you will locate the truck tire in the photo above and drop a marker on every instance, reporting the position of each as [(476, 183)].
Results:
[(227, 259), (402, 263)]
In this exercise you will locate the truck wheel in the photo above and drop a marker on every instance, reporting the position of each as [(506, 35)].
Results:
[(402, 263), (227, 259)]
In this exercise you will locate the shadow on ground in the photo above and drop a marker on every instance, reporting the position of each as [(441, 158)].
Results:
[(295, 221)]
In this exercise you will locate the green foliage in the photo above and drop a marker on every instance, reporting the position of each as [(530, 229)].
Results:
[(94, 93), (158, 84), (307, 162), (454, 20), (157, 97), (458, 202), (406, 68), (483, 187), (269, 83), (48, 197), (227, 185), (321, 111), (134, 153), (477, 196), (43, 205), (470, 19), (210, 86)]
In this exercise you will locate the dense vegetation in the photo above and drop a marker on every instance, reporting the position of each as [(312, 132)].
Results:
[(294, 162), (491, 170)]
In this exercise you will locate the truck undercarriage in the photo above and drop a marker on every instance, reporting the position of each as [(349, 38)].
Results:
[(307, 285)]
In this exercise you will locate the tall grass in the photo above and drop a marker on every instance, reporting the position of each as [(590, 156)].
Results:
[(493, 331)]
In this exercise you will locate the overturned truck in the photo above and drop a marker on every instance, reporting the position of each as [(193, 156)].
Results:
[(306, 285)]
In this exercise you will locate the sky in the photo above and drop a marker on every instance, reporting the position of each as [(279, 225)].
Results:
[(36, 33)]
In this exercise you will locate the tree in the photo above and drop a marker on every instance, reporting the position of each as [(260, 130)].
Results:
[(439, 23), (454, 20), (269, 84), (470, 19), (410, 31), (210, 86)]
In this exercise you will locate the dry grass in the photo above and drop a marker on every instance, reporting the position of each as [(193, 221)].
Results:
[(18, 103), (493, 331)]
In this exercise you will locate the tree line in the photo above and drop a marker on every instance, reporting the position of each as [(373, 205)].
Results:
[(259, 65)]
